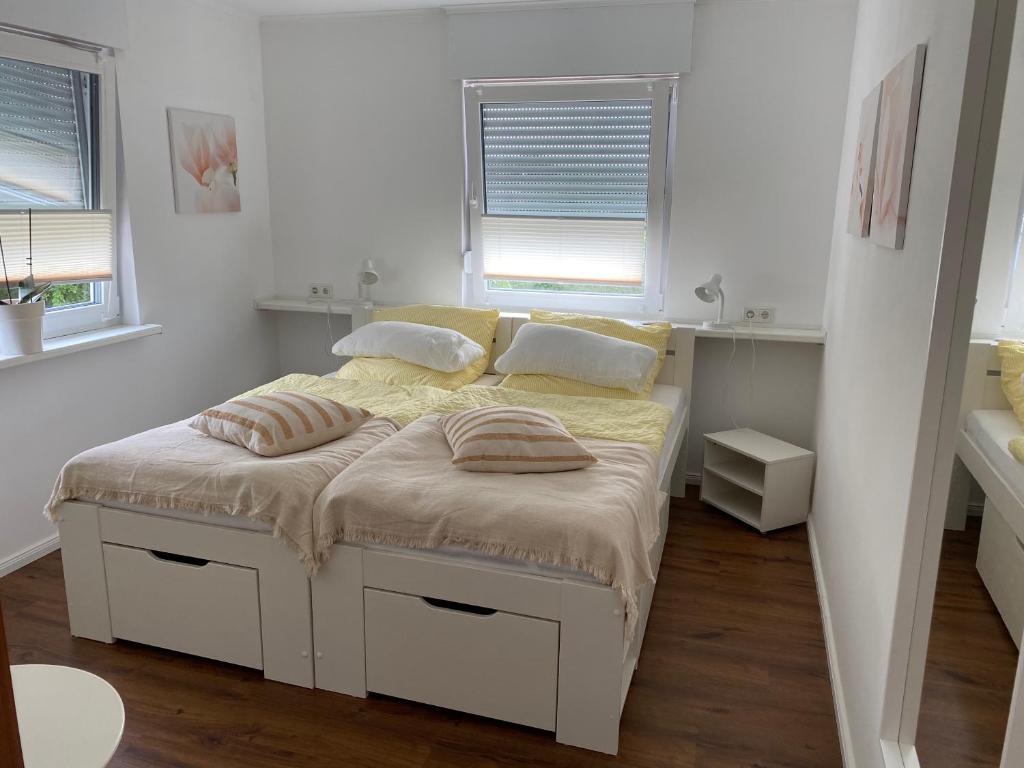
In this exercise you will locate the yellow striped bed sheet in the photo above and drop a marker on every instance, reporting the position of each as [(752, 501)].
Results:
[(403, 404), (628, 421)]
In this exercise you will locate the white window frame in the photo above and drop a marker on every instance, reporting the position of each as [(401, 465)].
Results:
[(662, 94), (63, 322)]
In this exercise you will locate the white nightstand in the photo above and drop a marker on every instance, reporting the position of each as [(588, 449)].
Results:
[(763, 481)]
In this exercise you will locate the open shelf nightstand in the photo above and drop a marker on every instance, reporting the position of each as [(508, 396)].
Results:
[(758, 479)]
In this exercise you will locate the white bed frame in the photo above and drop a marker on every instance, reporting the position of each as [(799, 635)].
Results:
[(1001, 551), (545, 651), (982, 392)]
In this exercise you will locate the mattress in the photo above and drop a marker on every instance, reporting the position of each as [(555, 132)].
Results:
[(670, 396), (992, 432)]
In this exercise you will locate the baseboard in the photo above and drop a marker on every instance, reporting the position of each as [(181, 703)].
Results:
[(27, 555), (838, 698), (694, 478)]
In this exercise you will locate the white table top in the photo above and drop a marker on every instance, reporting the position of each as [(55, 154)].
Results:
[(67, 717)]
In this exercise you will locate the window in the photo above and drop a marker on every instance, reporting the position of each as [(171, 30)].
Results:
[(56, 179), (568, 193)]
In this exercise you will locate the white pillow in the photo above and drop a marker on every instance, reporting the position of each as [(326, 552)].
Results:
[(441, 349), (572, 353)]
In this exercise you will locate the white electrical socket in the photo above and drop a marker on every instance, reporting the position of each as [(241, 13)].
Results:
[(321, 291), (763, 315)]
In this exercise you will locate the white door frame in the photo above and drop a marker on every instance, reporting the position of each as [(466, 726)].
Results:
[(960, 264)]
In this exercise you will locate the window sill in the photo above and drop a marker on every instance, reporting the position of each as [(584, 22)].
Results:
[(78, 342)]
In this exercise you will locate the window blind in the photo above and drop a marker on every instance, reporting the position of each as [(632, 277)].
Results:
[(43, 136), (565, 191), (60, 246), (582, 251)]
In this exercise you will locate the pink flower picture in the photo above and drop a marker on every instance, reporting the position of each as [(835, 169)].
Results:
[(204, 162), (894, 158), (863, 183)]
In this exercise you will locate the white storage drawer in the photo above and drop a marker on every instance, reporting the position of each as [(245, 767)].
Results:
[(1001, 565), (487, 663), (207, 609)]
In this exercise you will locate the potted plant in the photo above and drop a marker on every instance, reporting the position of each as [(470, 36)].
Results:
[(21, 315)]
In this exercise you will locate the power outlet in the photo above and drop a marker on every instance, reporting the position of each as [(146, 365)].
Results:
[(763, 315), (321, 291)]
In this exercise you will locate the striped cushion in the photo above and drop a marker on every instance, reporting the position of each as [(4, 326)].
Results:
[(502, 438), (277, 423)]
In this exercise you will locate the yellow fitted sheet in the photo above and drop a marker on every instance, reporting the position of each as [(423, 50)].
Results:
[(402, 403), (629, 421)]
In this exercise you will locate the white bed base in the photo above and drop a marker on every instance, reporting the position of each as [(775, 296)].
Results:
[(1001, 549), (982, 392), (315, 632)]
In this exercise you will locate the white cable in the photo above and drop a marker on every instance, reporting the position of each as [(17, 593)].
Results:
[(728, 378), (753, 366), (330, 333)]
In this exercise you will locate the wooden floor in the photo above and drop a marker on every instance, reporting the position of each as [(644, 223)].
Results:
[(733, 673), (972, 663)]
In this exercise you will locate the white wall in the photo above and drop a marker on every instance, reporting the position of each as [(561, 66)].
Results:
[(196, 274), (878, 314), (1001, 231), (372, 167)]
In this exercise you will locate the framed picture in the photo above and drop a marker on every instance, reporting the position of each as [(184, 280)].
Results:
[(894, 158), (204, 162), (863, 183)]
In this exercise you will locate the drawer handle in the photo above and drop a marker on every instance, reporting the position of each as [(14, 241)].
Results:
[(450, 605), (170, 557)]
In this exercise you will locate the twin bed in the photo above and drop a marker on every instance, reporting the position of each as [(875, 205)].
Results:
[(463, 614)]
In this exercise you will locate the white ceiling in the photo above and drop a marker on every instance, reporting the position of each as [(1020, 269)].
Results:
[(300, 7)]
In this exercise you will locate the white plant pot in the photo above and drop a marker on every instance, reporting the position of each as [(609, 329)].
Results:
[(21, 328)]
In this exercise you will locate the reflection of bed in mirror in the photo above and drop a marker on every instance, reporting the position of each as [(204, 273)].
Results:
[(987, 426)]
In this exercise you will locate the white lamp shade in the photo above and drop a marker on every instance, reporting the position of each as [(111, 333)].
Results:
[(710, 290)]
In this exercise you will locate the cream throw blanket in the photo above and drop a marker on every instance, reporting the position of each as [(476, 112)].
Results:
[(177, 467), (405, 492)]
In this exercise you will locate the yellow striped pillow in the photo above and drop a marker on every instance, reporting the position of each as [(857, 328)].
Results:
[(277, 423), (502, 438), (478, 324), (654, 335)]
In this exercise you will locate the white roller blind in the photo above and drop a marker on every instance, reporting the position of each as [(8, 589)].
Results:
[(43, 136), (58, 245), (564, 250), (565, 190)]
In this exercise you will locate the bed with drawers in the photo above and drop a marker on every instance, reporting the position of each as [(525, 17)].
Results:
[(507, 638)]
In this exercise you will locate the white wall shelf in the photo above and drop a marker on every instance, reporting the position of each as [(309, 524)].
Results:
[(758, 479), (741, 332), (762, 333), (318, 306)]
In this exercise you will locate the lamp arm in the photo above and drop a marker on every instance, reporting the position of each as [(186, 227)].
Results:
[(721, 304)]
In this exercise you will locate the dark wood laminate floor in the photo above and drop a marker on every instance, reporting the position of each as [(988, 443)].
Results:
[(972, 663), (733, 674)]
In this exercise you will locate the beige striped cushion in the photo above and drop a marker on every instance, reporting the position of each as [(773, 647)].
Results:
[(502, 438), (277, 423)]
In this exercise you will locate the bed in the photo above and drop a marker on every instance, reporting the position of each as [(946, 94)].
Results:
[(223, 587), (988, 425), (535, 645), (191, 577)]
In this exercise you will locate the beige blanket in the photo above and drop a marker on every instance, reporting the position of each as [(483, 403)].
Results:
[(177, 467), (602, 520)]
